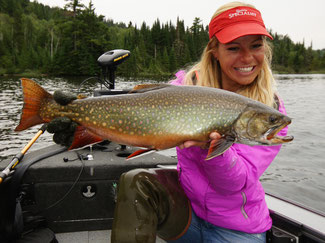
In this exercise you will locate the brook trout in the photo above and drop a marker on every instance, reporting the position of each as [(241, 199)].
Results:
[(159, 117)]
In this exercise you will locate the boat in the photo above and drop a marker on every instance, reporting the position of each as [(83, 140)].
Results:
[(73, 193)]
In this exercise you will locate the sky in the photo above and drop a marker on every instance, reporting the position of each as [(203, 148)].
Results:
[(301, 20)]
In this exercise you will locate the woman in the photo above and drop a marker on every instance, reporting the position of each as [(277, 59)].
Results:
[(227, 201), (219, 200)]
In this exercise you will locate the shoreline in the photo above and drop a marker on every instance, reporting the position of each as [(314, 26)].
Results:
[(144, 76)]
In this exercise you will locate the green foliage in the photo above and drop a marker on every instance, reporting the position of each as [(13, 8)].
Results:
[(35, 38), (289, 57)]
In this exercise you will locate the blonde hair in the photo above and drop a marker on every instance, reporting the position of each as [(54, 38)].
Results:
[(262, 89)]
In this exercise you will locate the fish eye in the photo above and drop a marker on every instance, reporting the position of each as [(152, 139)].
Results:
[(273, 119)]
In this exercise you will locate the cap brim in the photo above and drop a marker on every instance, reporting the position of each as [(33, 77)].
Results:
[(233, 32)]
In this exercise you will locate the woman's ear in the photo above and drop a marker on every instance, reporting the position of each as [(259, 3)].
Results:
[(215, 54)]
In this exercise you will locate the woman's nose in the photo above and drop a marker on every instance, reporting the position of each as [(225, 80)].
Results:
[(246, 56)]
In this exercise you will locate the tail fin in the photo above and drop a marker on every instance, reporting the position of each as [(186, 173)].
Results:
[(34, 95)]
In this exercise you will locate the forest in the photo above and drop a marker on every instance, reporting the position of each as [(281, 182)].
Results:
[(36, 39)]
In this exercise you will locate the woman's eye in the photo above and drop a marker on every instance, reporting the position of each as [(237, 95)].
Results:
[(256, 46), (232, 48)]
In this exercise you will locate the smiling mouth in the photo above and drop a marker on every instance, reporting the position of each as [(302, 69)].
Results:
[(244, 69)]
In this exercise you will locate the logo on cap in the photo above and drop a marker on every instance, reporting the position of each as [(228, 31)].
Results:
[(241, 12)]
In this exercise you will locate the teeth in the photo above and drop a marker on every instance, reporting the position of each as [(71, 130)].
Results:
[(245, 69)]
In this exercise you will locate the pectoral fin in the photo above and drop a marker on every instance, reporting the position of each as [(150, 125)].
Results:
[(219, 146)]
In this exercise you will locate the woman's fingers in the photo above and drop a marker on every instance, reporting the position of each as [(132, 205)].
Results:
[(204, 145), (215, 136)]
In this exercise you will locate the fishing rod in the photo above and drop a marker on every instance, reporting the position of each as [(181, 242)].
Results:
[(16, 160)]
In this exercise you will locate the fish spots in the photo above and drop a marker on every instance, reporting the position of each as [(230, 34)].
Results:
[(153, 113)]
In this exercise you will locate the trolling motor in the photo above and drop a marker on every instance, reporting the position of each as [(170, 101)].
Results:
[(109, 62)]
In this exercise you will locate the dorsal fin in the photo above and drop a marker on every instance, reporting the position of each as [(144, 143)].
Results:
[(142, 88)]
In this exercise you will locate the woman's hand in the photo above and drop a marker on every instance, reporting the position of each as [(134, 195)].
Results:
[(63, 128), (203, 145)]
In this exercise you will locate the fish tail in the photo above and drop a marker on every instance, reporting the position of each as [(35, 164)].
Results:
[(34, 96)]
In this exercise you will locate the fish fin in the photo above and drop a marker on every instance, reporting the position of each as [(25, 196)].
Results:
[(81, 96), (139, 153), (33, 97), (142, 88), (219, 146), (83, 137)]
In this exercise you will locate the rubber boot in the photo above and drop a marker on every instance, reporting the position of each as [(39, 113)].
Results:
[(150, 202)]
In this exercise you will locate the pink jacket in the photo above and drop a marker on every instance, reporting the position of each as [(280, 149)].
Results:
[(226, 190)]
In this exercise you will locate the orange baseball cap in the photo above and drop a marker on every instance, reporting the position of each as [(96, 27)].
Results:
[(237, 22)]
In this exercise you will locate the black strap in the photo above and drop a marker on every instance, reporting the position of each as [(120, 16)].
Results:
[(14, 226), (277, 102)]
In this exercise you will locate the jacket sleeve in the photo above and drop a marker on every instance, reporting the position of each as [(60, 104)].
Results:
[(238, 165), (232, 170), (180, 78)]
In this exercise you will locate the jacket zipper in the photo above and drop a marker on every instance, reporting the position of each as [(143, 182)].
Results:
[(242, 209)]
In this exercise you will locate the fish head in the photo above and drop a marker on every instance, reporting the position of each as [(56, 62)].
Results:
[(259, 126)]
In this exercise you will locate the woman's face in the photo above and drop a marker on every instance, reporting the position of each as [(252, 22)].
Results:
[(240, 60)]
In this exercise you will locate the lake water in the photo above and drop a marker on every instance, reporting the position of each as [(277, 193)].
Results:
[(298, 172)]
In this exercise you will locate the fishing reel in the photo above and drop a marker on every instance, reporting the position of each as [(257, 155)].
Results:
[(109, 62)]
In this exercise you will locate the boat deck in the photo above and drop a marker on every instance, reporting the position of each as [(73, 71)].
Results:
[(100, 236)]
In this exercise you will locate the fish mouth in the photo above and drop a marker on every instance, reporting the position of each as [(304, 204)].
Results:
[(270, 136)]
